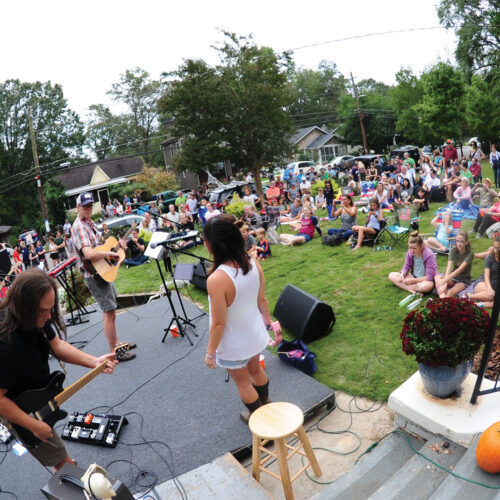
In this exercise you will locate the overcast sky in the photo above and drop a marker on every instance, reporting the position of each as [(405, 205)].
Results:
[(85, 46)]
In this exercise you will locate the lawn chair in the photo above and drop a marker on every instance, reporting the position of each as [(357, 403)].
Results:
[(367, 240), (406, 220), (456, 222)]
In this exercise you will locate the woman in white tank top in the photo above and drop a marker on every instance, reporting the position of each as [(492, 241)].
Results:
[(239, 312)]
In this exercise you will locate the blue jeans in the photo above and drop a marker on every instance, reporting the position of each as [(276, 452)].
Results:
[(329, 208), (344, 233), (136, 261)]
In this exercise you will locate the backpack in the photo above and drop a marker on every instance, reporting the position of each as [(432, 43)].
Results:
[(332, 240), (297, 354)]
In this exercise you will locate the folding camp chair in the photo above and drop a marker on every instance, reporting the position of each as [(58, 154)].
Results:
[(406, 219), (456, 222)]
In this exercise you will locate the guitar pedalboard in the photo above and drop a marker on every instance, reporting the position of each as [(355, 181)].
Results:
[(97, 429)]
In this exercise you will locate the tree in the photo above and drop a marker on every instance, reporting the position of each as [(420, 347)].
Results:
[(234, 111), (481, 104), (134, 131), (157, 180), (376, 108), (54, 192), (59, 135), (477, 26), (317, 94), (441, 112), (405, 96)]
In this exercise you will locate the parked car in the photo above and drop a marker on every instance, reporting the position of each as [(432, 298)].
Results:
[(412, 151), (168, 198), (123, 221), (366, 159), (339, 161), (429, 151), (295, 166), (219, 195), (33, 236)]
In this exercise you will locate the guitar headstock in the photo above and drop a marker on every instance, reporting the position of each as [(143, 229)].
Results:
[(124, 347)]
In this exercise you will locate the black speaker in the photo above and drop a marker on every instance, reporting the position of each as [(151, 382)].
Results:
[(304, 315), (200, 275)]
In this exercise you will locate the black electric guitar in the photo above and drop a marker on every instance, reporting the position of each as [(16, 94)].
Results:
[(43, 404)]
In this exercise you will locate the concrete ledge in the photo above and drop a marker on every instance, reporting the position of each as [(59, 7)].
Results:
[(453, 418)]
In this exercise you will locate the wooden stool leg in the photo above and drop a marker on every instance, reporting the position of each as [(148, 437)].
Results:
[(256, 457), (283, 464), (309, 451)]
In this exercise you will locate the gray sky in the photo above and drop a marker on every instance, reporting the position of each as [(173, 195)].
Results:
[(85, 46)]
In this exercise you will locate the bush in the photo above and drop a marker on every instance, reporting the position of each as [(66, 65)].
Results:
[(321, 184), (81, 291), (236, 206)]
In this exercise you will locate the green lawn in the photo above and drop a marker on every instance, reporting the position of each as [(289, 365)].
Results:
[(362, 356)]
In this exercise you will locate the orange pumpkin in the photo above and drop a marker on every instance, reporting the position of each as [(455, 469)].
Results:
[(488, 449)]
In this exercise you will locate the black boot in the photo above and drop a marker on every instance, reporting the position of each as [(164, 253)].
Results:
[(245, 415), (263, 392)]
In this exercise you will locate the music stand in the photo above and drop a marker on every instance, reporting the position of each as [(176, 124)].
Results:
[(157, 253)]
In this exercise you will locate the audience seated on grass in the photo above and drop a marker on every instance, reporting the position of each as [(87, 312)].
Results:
[(372, 227), (263, 246), (486, 195), (137, 246), (306, 230), (248, 239), (420, 199), (441, 241), (486, 218), (405, 193), (484, 289), (382, 195), (419, 269), (295, 211), (463, 195), (458, 270)]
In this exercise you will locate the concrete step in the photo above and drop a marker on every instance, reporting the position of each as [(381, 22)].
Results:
[(222, 478), (458, 489), (373, 470), (418, 478)]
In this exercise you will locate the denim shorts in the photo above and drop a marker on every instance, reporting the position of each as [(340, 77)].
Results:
[(305, 236), (232, 365)]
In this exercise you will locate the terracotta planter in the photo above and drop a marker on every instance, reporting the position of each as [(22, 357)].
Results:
[(443, 381)]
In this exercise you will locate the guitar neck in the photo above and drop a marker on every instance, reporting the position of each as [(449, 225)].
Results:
[(81, 382)]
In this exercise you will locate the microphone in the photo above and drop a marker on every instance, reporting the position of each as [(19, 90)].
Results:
[(162, 244)]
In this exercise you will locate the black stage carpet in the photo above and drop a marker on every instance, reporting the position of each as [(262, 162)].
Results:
[(168, 393)]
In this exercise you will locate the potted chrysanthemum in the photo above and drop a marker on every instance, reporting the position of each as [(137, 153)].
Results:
[(444, 335)]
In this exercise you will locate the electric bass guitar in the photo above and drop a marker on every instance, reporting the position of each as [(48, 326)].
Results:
[(43, 404)]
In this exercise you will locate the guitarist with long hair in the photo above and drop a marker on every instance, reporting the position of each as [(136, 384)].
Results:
[(86, 238), (26, 340)]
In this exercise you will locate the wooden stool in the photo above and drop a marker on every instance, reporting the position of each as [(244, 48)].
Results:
[(276, 422)]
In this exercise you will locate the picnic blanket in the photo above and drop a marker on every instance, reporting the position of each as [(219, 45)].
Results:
[(468, 213)]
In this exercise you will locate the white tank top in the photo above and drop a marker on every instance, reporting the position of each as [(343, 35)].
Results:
[(245, 334)]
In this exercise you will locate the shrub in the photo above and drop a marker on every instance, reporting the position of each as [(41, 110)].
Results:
[(236, 206)]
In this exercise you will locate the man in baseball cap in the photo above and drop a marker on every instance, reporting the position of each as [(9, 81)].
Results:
[(86, 238), (449, 153)]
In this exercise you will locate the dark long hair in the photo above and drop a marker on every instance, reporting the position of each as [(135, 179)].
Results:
[(222, 234), (19, 310)]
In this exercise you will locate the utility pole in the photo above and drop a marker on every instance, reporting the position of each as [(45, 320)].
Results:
[(38, 174), (360, 116)]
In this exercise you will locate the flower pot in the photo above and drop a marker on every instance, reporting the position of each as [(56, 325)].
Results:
[(443, 381)]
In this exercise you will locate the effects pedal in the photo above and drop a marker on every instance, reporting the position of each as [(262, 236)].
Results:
[(5, 434), (93, 428)]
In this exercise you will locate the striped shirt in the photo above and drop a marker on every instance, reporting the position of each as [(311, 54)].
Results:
[(84, 234)]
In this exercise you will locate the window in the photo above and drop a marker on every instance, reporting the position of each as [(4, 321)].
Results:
[(327, 153)]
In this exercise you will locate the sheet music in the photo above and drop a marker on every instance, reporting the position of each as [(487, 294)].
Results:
[(156, 253)]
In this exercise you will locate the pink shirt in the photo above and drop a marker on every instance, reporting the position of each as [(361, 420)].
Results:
[(307, 227)]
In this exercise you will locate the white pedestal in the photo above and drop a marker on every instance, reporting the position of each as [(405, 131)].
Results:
[(455, 419)]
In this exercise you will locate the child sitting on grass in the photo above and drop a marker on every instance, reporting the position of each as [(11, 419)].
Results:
[(249, 240), (263, 246)]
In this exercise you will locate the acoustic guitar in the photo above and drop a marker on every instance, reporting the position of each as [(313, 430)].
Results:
[(107, 268), (44, 404)]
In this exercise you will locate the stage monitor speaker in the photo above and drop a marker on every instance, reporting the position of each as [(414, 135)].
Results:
[(304, 315), (200, 275)]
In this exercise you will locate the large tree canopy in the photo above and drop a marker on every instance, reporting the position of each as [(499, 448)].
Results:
[(234, 111), (477, 25)]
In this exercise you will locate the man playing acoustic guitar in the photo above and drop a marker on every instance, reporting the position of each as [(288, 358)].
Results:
[(26, 340), (85, 238)]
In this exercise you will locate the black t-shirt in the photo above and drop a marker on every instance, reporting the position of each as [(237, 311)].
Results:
[(134, 250), (24, 361), (188, 226)]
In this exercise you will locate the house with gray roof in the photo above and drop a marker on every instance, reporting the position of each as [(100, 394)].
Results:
[(97, 176), (321, 144)]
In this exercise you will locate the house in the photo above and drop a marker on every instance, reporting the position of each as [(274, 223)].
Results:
[(4, 234), (188, 179), (319, 143), (96, 177)]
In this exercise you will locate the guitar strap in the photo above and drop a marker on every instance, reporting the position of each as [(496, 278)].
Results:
[(44, 329)]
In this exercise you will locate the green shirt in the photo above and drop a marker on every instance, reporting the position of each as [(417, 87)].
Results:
[(180, 200), (468, 175), (457, 259)]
